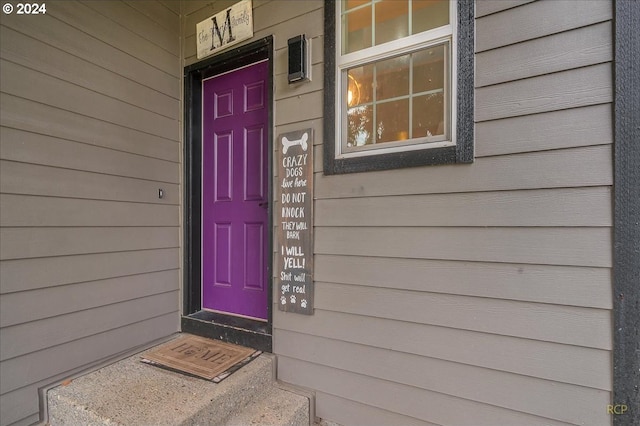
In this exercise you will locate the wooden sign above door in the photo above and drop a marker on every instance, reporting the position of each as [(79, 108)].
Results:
[(225, 29)]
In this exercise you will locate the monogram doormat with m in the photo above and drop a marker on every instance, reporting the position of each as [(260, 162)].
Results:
[(198, 356)]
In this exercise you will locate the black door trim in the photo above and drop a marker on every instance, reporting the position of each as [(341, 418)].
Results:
[(247, 332)]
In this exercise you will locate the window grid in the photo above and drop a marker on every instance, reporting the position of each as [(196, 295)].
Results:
[(410, 97), (409, 45), (372, 4), (411, 94)]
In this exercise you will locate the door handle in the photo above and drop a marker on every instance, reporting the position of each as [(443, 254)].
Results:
[(264, 205)]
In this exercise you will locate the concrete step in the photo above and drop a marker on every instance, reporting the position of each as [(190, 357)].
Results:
[(274, 407), (130, 392)]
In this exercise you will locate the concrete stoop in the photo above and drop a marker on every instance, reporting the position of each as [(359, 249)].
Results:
[(130, 392)]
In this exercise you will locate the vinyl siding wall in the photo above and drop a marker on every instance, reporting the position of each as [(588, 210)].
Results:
[(89, 255), (464, 294), (471, 294)]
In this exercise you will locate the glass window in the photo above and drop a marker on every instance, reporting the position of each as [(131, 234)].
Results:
[(372, 23), (394, 66), (394, 96), (398, 99)]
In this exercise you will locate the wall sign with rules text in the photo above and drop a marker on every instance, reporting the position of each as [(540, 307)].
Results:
[(294, 218)]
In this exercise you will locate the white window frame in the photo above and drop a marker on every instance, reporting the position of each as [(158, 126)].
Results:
[(405, 45)]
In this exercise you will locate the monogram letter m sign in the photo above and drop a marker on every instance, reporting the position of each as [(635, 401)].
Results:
[(225, 29)]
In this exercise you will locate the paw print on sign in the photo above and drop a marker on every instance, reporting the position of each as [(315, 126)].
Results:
[(293, 298), (303, 303), (283, 300)]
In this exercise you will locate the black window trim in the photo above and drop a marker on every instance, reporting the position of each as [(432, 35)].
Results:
[(462, 152)]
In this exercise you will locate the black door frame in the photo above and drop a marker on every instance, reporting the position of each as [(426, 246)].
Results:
[(247, 332)]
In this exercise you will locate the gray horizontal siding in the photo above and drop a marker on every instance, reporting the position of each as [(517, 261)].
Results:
[(26, 306), (31, 148), (561, 285), (30, 274), (23, 178), (399, 398), (22, 401), (115, 31), (292, 113), (23, 114), (347, 412), (445, 377), (77, 325), (487, 7), (66, 37), (31, 242), (90, 128), (68, 67), (582, 47), (570, 128), (566, 207), (567, 168), (40, 87), (546, 246), (132, 17), (22, 210), (551, 92), (570, 325), (537, 19), (170, 5), (569, 364), (161, 13), (472, 294)]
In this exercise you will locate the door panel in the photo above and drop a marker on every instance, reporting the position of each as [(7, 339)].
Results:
[(235, 192)]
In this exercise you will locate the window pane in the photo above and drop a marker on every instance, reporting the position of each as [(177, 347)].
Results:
[(392, 121), (360, 85), (360, 126), (429, 14), (356, 30), (416, 79), (392, 20), (428, 69), (350, 4), (392, 78), (428, 115)]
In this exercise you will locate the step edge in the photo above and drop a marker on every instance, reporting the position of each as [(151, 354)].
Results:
[(302, 391), (300, 407)]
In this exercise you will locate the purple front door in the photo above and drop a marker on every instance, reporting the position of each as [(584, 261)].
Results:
[(235, 192)]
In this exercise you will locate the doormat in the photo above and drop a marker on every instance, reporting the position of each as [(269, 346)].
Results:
[(201, 357)]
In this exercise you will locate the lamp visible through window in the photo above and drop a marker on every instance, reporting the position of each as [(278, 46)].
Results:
[(353, 91)]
